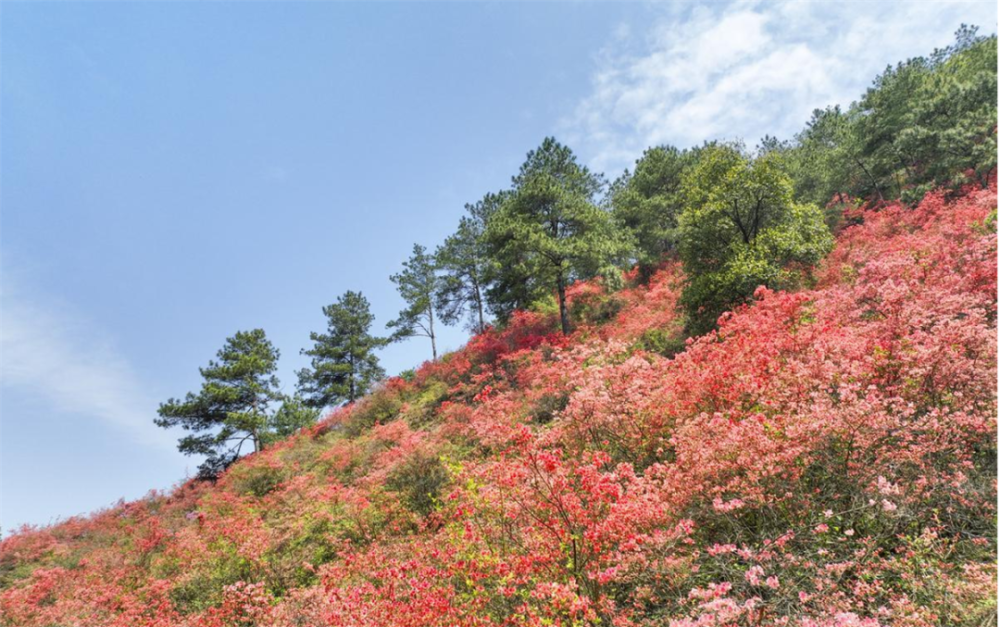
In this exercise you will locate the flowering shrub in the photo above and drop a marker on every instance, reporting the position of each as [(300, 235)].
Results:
[(826, 458)]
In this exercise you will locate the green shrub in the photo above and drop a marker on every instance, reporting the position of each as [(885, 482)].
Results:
[(662, 342), (254, 480), (418, 481), (596, 309), (202, 588), (421, 409), (378, 408)]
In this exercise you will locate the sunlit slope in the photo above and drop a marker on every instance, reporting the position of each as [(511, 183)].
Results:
[(828, 457)]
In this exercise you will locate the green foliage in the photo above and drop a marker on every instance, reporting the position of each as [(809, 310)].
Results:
[(597, 308), (418, 285), (203, 588), (740, 229), (662, 342), (550, 232), (825, 164), (648, 201), (989, 223), (419, 481), (951, 123), (924, 123), (232, 406), (315, 545), (546, 304), (378, 408), (420, 410), (12, 570), (466, 267), (293, 415), (344, 364), (253, 479)]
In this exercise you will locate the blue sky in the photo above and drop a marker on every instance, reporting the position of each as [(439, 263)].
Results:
[(171, 173)]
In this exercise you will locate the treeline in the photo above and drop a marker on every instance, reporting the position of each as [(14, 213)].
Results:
[(735, 218), (927, 122)]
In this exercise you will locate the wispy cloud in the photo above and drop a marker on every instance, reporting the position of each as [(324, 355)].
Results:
[(48, 353), (747, 69)]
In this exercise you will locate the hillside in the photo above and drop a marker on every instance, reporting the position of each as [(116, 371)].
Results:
[(826, 458)]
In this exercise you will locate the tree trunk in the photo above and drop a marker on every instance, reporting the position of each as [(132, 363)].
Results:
[(430, 326), (253, 433), (563, 313), (871, 179), (479, 310)]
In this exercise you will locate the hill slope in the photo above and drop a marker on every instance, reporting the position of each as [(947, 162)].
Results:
[(828, 457)]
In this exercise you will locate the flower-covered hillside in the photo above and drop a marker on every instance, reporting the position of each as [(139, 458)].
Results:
[(826, 458)]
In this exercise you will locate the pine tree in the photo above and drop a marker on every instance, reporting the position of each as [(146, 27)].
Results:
[(465, 267), (293, 415), (344, 364), (648, 201), (418, 285), (232, 407), (550, 232)]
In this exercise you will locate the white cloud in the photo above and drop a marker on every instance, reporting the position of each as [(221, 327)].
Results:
[(747, 69), (48, 353)]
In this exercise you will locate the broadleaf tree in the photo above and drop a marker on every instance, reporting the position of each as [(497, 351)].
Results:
[(344, 365), (741, 229), (233, 406)]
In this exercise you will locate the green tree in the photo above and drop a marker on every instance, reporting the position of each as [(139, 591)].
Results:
[(880, 117), (344, 365), (740, 229), (418, 285), (232, 407), (465, 266), (924, 123), (550, 232), (827, 162), (648, 201), (293, 415), (951, 122)]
